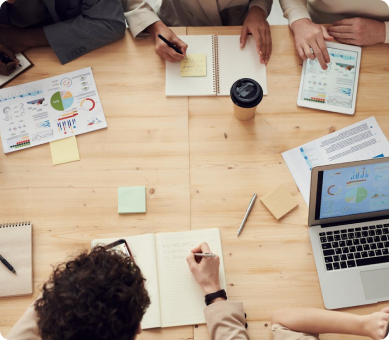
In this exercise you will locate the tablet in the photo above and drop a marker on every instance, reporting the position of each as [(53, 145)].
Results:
[(334, 89)]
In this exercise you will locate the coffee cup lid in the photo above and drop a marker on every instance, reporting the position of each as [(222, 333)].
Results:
[(246, 93)]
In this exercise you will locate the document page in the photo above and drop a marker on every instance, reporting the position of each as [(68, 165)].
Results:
[(143, 250), (363, 140), (50, 109), (182, 299), (236, 63), (178, 85)]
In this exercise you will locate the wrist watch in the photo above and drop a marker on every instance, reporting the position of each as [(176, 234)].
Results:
[(210, 297)]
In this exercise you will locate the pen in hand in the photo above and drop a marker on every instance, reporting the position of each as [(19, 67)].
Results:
[(6, 263), (5, 59), (204, 254), (167, 42)]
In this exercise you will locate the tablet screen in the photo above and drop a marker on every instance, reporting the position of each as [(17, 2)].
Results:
[(334, 86)]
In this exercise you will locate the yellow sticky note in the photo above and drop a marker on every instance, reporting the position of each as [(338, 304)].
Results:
[(194, 65), (64, 150)]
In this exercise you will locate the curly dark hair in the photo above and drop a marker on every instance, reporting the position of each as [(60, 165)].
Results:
[(96, 296)]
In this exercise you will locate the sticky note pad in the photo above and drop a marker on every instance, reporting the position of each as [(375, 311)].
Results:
[(194, 65), (64, 150), (279, 202), (131, 200)]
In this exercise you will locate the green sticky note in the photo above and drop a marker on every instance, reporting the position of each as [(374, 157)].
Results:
[(131, 200)]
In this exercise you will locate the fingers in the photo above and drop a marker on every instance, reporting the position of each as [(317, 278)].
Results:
[(180, 44), (6, 70), (344, 22), (326, 36), (191, 260), (168, 53), (201, 248), (243, 36), (5, 50), (385, 310)]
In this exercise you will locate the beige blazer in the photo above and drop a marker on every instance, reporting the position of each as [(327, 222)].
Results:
[(140, 15), (225, 321)]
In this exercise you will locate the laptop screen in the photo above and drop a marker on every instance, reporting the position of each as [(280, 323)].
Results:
[(353, 190)]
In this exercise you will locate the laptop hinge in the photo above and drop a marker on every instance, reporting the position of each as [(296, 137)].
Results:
[(370, 219)]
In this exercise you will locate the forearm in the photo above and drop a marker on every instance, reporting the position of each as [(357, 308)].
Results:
[(317, 321), (264, 4)]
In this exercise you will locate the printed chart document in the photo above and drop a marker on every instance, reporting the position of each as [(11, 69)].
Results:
[(50, 109), (169, 281), (363, 140)]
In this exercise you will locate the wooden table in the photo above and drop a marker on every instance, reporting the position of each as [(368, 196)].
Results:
[(200, 167)]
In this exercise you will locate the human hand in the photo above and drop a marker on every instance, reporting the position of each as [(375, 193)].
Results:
[(257, 25), (7, 69), (163, 50), (311, 37), (376, 324), (14, 38), (358, 31), (205, 270)]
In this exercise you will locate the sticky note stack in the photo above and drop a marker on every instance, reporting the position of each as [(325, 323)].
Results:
[(131, 200), (64, 150), (279, 202)]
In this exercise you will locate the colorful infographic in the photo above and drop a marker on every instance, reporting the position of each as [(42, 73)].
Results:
[(50, 109), (355, 190), (334, 86)]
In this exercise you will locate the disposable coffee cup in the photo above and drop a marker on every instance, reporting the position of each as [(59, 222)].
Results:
[(246, 94)]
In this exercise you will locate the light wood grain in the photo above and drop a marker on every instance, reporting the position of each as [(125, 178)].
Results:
[(200, 167)]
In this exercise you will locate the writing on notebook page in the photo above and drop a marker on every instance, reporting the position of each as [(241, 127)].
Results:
[(194, 65), (177, 251)]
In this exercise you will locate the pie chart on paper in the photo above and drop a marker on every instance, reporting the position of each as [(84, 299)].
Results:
[(62, 100)]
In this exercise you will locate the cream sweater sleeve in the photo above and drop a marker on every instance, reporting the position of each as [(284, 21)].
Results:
[(294, 10), (139, 16)]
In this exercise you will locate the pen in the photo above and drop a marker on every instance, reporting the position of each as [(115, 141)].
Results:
[(204, 254), (5, 59), (167, 42), (5, 263), (247, 213)]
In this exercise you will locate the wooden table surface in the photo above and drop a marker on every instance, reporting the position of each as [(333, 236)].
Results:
[(200, 167)]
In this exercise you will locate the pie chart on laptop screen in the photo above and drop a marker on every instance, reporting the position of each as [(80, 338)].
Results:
[(62, 100)]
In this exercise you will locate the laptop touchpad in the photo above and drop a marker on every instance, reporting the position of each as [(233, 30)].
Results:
[(375, 283)]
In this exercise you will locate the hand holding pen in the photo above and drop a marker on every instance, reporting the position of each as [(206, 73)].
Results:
[(8, 61), (167, 45)]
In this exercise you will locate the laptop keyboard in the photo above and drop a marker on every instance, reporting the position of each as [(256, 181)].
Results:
[(355, 247)]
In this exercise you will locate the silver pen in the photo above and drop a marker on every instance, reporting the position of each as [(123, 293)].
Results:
[(204, 254), (247, 213)]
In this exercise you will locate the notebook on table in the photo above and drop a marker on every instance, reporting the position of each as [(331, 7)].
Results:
[(176, 298), (16, 248), (25, 65), (226, 63)]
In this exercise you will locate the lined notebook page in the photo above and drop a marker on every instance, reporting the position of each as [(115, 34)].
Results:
[(191, 86), (16, 248), (182, 299), (25, 64), (143, 249), (236, 63)]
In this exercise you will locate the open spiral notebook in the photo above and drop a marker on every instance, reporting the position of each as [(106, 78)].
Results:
[(16, 248), (226, 63)]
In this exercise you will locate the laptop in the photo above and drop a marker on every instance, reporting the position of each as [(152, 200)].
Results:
[(349, 230)]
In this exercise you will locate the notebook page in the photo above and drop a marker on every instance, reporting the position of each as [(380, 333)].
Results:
[(182, 299), (143, 249), (24, 62), (236, 63), (16, 248), (191, 86)]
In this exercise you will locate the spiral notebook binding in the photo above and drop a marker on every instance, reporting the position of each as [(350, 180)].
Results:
[(14, 225), (215, 64)]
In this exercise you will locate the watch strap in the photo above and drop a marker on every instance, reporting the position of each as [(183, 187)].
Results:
[(210, 297)]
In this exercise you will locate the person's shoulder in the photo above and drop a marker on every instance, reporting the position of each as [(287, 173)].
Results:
[(282, 333)]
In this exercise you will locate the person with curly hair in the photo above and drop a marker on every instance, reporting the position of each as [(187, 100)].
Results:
[(96, 296)]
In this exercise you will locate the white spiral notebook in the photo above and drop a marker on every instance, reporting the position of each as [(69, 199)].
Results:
[(176, 298), (226, 63), (16, 249)]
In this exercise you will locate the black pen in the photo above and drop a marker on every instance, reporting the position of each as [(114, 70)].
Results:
[(167, 42), (5, 59), (5, 263)]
